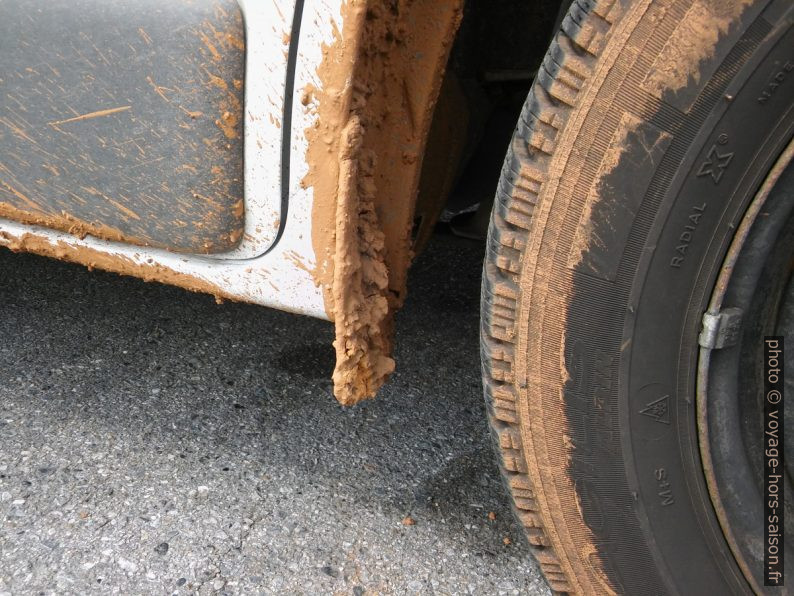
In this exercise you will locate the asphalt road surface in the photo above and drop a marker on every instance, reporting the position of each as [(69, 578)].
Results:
[(153, 442)]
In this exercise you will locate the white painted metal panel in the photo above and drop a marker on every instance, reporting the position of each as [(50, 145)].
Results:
[(277, 275), (268, 26)]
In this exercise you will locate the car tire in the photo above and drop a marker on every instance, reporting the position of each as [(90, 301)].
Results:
[(649, 134)]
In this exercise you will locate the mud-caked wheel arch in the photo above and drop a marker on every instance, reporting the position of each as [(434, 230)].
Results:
[(652, 128)]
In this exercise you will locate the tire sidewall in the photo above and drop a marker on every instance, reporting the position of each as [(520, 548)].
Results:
[(647, 334)]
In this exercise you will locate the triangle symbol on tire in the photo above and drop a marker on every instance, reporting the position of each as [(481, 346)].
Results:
[(658, 409)]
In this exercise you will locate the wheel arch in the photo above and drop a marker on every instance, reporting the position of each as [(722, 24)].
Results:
[(379, 83)]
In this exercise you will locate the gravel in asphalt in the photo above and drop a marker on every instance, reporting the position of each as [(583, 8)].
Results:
[(154, 442)]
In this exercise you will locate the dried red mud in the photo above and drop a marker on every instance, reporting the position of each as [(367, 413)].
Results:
[(379, 83)]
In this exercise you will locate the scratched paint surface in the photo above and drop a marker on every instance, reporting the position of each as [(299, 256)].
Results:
[(247, 273), (100, 135)]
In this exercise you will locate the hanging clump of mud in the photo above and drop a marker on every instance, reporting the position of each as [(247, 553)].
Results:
[(379, 82)]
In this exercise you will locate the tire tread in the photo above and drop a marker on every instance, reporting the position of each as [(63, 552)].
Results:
[(565, 71)]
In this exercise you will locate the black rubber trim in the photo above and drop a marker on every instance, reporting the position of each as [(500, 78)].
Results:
[(286, 120)]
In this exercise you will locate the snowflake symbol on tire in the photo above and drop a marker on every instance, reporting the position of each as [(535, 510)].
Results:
[(658, 410), (715, 165)]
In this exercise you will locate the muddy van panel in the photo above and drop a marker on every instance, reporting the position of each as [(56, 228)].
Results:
[(124, 120)]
